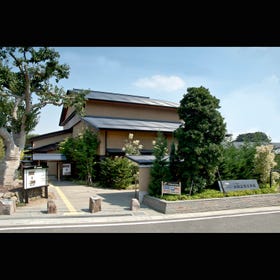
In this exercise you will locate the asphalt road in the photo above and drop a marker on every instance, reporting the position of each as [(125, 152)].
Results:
[(252, 222)]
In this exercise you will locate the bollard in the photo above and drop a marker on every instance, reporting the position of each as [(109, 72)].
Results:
[(94, 204), (51, 207), (134, 204)]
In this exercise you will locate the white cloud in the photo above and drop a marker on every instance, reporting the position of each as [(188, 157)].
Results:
[(160, 82)]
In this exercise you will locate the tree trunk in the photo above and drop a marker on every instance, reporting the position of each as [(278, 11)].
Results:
[(10, 164), (8, 170)]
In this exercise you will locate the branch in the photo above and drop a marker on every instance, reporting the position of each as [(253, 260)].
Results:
[(43, 104), (15, 110), (27, 91), (19, 63), (8, 93)]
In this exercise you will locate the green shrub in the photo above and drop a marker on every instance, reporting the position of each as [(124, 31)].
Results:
[(117, 173), (160, 169), (82, 153), (210, 193)]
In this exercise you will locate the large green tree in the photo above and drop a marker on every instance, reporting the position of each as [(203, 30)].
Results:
[(29, 80), (253, 137), (200, 138), (160, 168), (82, 151), (237, 162)]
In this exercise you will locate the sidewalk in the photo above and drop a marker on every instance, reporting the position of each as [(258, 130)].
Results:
[(72, 202)]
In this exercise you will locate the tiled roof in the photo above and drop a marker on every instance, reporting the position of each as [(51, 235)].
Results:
[(51, 134), (126, 98), (144, 159), (131, 124), (48, 156)]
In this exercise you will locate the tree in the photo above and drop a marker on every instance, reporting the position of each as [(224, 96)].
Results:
[(160, 167), (133, 147), (29, 80), (253, 137), (264, 163), (237, 162), (200, 138), (173, 162), (82, 150)]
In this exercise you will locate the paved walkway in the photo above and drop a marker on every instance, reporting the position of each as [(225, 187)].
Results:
[(72, 202)]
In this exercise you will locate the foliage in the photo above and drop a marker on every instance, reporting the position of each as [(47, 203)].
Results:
[(132, 147), (199, 139), (210, 193), (14, 114), (160, 166), (237, 162), (82, 150), (253, 137), (116, 172), (26, 73), (29, 80), (29, 136), (277, 160), (173, 163), (264, 162)]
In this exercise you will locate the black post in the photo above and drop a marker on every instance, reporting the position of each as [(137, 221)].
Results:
[(190, 193), (46, 192), (220, 179), (26, 196), (270, 178)]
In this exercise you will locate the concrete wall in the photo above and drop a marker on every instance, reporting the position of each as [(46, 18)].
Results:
[(212, 204), (144, 180)]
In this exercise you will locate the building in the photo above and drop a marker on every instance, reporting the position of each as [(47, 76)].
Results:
[(113, 116)]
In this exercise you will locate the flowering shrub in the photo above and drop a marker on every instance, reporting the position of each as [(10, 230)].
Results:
[(264, 162), (131, 146)]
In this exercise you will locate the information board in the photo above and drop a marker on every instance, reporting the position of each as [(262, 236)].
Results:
[(170, 188), (238, 185), (35, 177), (66, 169)]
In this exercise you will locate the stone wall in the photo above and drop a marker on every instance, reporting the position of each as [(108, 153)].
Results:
[(212, 204)]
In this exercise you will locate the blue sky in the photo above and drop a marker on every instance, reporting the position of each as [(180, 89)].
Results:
[(246, 80)]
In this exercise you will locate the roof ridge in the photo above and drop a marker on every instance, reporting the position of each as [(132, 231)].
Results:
[(130, 119), (115, 93)]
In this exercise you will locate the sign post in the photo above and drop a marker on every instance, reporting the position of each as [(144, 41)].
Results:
[(238, 185), (35, 177), (170, 188), (66, 169)]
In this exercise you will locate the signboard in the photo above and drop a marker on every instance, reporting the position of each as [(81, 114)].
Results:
[(238, 185), (66, 169), (170, 188), (35, 177)]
